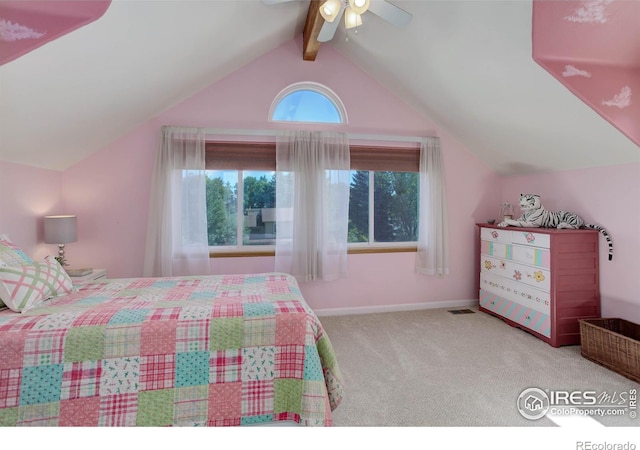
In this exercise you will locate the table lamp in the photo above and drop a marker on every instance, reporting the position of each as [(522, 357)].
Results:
[(60, 230)]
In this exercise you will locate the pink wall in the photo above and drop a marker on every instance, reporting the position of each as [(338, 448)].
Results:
[(606, 196), (26, 195), (110, 190)]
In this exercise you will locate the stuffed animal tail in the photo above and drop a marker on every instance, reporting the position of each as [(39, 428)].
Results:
[(606, 236)]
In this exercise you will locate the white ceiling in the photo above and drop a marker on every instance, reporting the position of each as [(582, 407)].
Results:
[(467, 65)]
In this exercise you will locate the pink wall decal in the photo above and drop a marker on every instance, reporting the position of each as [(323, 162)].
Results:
[(590, 11), (620, 100), (592, 47), (27, 25), (572, 71), (12, 32)]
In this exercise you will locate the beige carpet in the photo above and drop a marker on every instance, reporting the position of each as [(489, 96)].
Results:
[(433, 368)]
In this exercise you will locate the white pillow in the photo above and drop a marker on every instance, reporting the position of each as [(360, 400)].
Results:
[(23, 287), (10, 255)]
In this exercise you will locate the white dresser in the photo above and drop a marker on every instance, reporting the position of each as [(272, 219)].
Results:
[(541, 280)]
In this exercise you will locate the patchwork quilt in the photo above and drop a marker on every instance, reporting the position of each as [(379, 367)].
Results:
[(222, 350)]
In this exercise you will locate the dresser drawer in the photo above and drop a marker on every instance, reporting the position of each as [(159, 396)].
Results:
[(533, 239), (513, 235), (494, 235), (523, 294), (534, 256), (524, 316), (522, 273)]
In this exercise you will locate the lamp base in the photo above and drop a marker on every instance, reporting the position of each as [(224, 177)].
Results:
[(61, 258)]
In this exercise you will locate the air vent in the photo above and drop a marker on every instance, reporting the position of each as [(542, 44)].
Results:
[(461, 311)]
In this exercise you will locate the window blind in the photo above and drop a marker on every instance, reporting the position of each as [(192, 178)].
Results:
[(262, 156)]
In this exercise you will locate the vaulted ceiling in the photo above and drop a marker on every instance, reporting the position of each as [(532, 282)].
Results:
[(467, 65)]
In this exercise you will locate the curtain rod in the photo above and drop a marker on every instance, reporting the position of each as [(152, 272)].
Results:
[(364, 137)]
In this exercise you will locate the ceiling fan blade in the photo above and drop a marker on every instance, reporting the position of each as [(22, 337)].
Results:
[(391, 13), (328, 29)]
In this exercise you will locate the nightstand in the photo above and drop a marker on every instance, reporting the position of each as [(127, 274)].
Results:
[(97, 274)]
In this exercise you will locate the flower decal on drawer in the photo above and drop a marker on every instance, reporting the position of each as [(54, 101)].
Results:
[(495, 234), (538, 276), (517, 275), (487, 264), (529, 237)]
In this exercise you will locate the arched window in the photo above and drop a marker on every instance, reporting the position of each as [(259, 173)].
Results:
[(308, 102)]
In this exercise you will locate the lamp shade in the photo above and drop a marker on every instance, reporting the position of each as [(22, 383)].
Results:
[(329, 10), (60, 229), (359, 6), (351, 19)]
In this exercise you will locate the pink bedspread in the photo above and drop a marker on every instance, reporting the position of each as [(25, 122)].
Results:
[(193, 351)]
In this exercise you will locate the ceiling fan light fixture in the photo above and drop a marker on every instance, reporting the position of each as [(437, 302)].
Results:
[(352, 19), (329, 10), (359, 6)]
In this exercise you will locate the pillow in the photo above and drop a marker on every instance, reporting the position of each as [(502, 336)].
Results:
[(23, 287), (10, 255)]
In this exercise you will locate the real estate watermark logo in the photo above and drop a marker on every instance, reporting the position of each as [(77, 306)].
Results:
[(535, 403)]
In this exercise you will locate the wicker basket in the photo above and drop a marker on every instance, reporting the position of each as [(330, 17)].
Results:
[(612, 343)]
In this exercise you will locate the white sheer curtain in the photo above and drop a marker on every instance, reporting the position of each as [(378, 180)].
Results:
[(432, 257), (312, 204), (177, 242)]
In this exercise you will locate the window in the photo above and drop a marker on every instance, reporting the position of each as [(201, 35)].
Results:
[(308, 102), (383, 205), (241, 196), (393, 218), (250, 192)]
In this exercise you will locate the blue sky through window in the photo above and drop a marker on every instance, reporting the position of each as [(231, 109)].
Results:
[(306, 106)]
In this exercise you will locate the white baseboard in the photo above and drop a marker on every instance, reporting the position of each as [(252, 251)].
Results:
[(396, 308)]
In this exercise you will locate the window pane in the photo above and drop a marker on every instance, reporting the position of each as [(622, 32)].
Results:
[(306, 106), (222, 207), (395, 206), (359, 207), (259, 204)]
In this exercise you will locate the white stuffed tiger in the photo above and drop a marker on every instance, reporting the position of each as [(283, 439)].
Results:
[(534, 215)]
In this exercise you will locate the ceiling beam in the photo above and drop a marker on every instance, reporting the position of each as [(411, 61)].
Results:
[(312, 29)]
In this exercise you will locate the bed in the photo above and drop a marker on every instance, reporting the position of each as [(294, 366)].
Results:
[(223, 350)]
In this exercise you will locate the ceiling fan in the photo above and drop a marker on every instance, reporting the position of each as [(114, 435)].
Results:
[(333, 10)]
